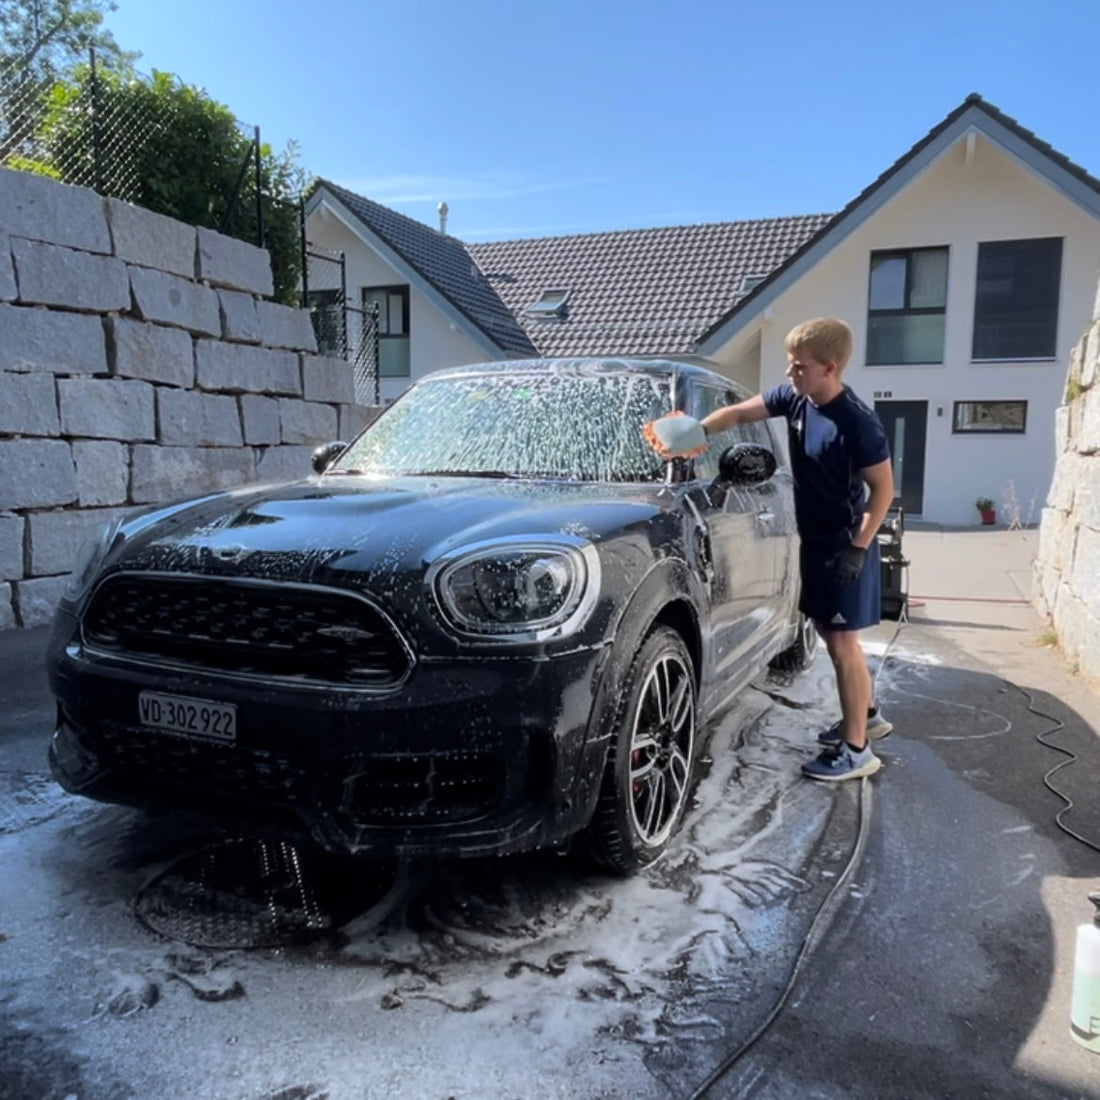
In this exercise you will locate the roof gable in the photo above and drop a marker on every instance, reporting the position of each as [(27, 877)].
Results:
[(441, 263), (973, 114)]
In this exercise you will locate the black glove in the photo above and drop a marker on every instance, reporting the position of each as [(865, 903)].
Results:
[(847, 564)]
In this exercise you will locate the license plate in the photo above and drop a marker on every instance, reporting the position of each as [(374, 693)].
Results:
[(188, 717)]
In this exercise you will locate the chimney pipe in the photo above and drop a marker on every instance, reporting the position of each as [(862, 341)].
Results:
[(443, 209)]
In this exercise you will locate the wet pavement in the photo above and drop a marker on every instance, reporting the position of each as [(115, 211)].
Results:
[(907, 936)]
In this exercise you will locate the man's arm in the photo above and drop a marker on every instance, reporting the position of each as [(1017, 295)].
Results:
[(880, 479), (744, 412)]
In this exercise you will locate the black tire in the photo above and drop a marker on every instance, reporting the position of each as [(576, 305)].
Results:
[(798, 656), (650, 765)]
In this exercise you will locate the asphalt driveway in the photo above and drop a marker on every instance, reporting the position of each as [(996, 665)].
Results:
[(906, 936)]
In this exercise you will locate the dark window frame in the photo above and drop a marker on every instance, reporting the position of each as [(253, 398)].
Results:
[(986, 259), (907, 310), (962, 429), (384, 323)]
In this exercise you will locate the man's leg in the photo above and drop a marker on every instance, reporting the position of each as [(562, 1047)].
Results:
[(853, 682)]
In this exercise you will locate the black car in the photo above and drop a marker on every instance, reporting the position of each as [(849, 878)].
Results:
[(494, 621)]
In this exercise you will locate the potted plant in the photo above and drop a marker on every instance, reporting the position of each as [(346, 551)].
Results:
[(986, 510)]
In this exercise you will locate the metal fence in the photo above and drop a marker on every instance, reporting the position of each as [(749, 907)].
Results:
[(343, 329)]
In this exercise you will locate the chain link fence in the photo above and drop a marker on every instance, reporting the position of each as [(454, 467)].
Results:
[(75, 133)]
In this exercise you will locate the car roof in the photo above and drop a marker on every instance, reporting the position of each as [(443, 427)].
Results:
[(680, 369)]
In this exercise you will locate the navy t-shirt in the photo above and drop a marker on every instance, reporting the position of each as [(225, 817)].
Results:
[(830, 444)]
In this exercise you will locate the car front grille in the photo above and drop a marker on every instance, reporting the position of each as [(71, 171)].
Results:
[(247, 627)]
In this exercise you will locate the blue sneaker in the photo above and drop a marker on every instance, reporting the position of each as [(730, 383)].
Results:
[(877, 729), (836, 762)]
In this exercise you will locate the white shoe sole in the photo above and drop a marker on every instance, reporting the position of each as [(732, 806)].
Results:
[(868, 768)]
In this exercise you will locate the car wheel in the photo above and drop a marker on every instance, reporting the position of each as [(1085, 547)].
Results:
[(650, 763), (798, 656)]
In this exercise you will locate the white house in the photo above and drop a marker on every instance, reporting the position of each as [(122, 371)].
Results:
[(967, 271)]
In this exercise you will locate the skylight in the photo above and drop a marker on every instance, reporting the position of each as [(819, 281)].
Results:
[(550, 303)]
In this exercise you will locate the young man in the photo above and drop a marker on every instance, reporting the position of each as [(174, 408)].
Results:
[(838, 452)]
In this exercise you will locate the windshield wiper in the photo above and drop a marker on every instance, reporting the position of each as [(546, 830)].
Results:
[(461, 473)]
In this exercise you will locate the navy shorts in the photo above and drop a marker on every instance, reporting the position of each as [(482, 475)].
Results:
[(834, 606)]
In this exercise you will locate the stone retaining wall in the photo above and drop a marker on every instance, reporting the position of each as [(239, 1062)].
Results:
[(1067, 569), (139, 363)]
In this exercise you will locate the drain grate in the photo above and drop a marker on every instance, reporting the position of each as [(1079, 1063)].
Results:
[(248, 893)]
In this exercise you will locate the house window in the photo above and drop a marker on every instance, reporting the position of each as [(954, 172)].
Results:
[(907, 306), (990, 417), (1016, 299), (326, 311), (551, 304), (392, 303)]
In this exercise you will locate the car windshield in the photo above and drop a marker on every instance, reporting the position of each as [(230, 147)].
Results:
[(559, 424)]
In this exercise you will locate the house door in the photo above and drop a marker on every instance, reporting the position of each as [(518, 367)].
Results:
[(906, 424)]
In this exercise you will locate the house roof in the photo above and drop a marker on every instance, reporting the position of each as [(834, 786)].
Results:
[(443, 263), (638, 291), (973, 114)]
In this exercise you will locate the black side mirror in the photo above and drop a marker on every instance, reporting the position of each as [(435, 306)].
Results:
[(323, 456), (745, 464)]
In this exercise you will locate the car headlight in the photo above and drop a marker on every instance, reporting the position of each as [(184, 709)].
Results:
[(517, 589), (88, 560)]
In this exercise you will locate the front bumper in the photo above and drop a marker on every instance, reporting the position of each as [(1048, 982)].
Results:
[(468, 757)]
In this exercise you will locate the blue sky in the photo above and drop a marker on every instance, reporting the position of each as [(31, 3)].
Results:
[(572, 117)]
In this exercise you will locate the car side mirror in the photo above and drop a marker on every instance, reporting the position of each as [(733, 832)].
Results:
[(745, 464), (324, 456)]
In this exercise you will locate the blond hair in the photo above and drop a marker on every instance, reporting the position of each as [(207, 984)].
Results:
[(826, 339)]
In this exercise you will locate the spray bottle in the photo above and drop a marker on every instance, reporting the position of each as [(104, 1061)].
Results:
[(1084, 1017)]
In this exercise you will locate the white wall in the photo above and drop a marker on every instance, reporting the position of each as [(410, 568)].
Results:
[(959, 204), (434, 341)]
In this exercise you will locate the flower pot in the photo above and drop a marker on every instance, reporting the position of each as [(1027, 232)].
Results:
[(989, 515)]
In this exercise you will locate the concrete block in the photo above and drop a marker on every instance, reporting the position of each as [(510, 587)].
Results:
[(153, 353), (7, 608), (12, 566), (50, 275), (189, 419), (159, 475), (260, 417), (172, 300), (45, 210), (225, 261), (36, 600), (46, 339), (102, 471), (107, 408), (28, 404), (284, 464), (285, 327), (153, 240), (307, 422), (56, 537), (354, 418), (1090, 358), (327, 379), (36, 473), (240, 321), (8, 288), (1084, 578), (1087, 441), (238, 368)]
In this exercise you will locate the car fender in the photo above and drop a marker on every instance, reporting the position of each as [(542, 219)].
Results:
[(670, 591)]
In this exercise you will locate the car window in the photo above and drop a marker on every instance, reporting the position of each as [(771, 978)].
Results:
[(705, 401), (560, 423)]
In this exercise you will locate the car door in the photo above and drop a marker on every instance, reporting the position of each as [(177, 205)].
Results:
[(743, 582)]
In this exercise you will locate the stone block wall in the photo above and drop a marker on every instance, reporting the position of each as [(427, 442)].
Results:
[(1067, 568), (140, 363)]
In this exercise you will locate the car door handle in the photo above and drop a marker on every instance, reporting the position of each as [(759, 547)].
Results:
[(765, 516)]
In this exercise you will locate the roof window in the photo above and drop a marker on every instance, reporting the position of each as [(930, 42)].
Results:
[(550, 303)]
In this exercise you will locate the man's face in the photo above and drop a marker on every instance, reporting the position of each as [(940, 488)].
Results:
[(808, 376)]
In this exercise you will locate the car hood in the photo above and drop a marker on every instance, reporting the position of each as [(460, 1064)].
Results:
[(322, 529)]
